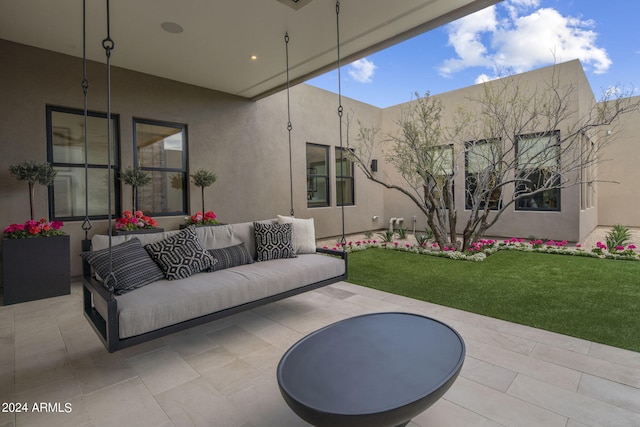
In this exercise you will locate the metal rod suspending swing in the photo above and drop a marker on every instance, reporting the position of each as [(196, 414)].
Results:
[(289, 125), (108, 45), (340, 110), (86, 224), (343, 242)]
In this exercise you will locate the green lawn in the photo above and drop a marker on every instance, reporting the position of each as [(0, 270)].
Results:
[(594, 299)]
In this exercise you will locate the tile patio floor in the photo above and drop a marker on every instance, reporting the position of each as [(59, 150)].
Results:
[(223, 373)]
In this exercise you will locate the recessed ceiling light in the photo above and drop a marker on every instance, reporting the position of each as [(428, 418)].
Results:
[(254, 57), (172, 27)]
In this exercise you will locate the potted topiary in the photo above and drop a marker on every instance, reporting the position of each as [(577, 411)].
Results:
[(39, 243), (134, 221), (34, 173), (135, 177), (203, 178)]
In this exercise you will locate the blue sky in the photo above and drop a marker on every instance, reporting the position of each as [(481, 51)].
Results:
[(517, 35)]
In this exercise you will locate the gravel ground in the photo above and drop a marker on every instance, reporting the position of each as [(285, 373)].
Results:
[(597, 235), (600, 235)]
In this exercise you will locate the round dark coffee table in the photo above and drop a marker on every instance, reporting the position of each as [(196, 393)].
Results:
[(378, 369)]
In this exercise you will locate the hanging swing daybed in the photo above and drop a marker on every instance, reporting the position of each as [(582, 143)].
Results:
[(167, 306), (134, 293)]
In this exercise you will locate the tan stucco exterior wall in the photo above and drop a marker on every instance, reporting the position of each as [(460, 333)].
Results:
[(619, 174), (563, 224), (245, 143)]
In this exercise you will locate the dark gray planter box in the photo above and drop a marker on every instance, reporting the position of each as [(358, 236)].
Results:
[(35, 268), (140, 231)]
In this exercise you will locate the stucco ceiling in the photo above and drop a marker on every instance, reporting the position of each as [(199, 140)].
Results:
[(220, 36)]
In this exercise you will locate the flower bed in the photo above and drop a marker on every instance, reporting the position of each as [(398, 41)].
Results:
[(481, 249)]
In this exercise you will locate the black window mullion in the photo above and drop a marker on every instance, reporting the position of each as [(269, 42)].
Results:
[(69, 166)]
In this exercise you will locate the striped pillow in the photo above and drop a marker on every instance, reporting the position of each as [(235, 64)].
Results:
[(231, 256), (132, 267)]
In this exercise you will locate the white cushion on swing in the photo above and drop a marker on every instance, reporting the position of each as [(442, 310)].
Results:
[(304, 234)]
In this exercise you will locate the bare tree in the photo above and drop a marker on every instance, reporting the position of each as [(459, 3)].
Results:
[(519, 144), (423, 161)]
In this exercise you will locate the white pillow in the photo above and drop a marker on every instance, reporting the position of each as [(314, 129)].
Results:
[(304, 234)]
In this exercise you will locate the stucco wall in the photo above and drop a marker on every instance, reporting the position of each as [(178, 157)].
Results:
[(619, 174), (245, 143), (564, 224)]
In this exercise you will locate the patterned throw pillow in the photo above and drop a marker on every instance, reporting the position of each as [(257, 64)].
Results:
[(132, 267), (273, 241), (180, 255), (231, 256)]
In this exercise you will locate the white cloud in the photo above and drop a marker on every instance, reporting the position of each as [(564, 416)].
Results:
[(612, 91), (525, 3), (362, 70), (483, 78), (515, 7), (466, 38), (522, 39)]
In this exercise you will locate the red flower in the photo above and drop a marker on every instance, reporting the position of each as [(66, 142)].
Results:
[(135, 221), (208, 218), (31, 228)]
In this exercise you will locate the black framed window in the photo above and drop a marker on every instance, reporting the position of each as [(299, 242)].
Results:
[(66, 153), (345, 182), (317, 175), (538, 171), (160, 149), (482, 172)]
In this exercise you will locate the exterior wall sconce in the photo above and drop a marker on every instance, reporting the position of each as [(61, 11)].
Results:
[(374, 165)]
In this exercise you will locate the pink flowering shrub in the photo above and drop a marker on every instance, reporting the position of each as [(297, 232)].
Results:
[(482, 248), (599, 249)]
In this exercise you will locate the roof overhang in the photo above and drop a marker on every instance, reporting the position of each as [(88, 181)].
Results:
[(220, 37)]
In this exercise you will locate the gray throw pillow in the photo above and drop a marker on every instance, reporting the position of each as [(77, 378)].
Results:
[(303, 234), (273, 241), (132, 267), (231, 256), (180, 255)]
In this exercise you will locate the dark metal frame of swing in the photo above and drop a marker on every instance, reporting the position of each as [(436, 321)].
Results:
[(108, 329)]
